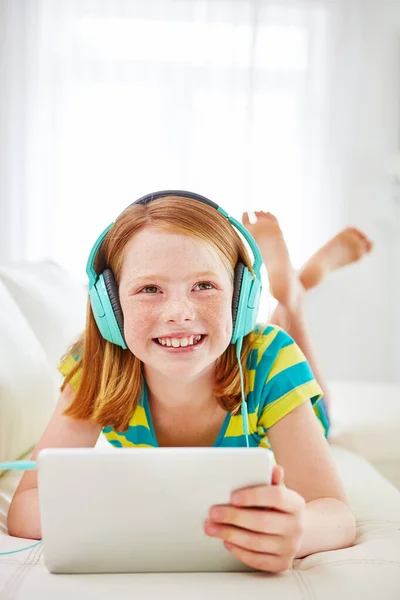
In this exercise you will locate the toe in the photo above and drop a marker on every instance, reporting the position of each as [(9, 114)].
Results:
[(245, 219), (370, 245), (267, 215)]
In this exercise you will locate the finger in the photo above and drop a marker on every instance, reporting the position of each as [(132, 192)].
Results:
[(268, 496), (259, 561), (249, 540), (277, 475), (245, 219), (269, 522)]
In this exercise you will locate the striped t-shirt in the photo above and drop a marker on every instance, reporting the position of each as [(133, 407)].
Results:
[(280, 379)]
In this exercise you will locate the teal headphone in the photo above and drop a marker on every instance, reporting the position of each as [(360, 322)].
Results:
[(103, 290)]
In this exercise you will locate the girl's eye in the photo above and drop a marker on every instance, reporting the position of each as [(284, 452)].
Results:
[(209, 286), (150, 289)]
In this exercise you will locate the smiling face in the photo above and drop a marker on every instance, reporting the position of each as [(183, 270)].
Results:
[(174, 288)]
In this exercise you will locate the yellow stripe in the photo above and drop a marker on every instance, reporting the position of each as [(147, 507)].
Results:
[(283, 405), (122, 439), (264, 443), (139, 418), (287, 357), (66, 366), (264, 341), (235, 427), (251, 374)]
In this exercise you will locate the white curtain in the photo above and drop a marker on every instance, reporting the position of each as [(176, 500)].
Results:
[(249, 102)]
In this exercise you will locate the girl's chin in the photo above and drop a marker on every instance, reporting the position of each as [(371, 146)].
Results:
[(182, 371)]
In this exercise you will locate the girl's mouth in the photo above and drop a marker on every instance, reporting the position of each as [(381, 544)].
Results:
[(178, 345)]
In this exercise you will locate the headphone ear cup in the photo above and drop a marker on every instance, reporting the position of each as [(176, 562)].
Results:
[(112, 291), (237, 286)]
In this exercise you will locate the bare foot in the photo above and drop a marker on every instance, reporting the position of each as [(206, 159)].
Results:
[(347, 247), (283, 279)]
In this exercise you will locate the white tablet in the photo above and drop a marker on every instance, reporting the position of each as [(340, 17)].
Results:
[(140, 509)]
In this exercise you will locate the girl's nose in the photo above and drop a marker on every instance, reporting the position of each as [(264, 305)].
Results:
[(178, 309)]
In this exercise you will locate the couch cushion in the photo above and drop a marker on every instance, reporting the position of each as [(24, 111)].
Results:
[(28, 388), (53, 303)]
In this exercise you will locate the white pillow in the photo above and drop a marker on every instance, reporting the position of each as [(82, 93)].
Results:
[(28, 390), (52, 301)]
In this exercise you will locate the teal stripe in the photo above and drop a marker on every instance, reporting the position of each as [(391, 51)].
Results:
[(286, 341), (115, 443), (259, 383), (267, 329), (286, 381), (76, 355), (321, 410), (145, 403), (138, 434), (270, 353), (251, 404), (265, 361), (222, 431), (252, 360)]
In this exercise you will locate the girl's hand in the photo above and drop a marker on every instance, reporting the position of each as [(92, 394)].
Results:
[(267, 540)]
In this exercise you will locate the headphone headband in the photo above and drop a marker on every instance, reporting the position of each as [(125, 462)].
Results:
[(90, 270)]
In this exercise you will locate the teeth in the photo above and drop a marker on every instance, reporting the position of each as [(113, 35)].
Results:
[(181, 342)]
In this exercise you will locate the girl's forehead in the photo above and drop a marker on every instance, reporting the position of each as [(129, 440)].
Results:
[(155, 247)]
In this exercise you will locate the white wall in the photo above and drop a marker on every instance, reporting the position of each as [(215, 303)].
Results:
[(355, 315)]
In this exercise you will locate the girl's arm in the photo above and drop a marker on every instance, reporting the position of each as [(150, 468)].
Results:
[(309, 514), (301, 449), (23, 519)]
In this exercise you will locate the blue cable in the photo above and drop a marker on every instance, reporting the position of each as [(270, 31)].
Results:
[(245, 416), (21, 549), (19, 465)]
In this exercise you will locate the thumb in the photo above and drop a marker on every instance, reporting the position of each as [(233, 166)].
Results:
[(277, 475)]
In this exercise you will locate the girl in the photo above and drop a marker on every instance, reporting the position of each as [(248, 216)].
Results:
[(172, 260)]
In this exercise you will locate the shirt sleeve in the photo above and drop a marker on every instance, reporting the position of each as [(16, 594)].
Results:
[(66, 366), (285, 377)]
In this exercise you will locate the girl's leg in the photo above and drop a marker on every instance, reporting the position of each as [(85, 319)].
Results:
[(289, 288), (348, 246)]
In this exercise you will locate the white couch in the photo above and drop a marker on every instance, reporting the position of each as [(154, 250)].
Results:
[(42, 310)]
